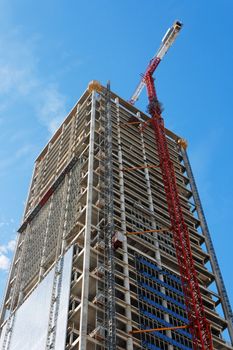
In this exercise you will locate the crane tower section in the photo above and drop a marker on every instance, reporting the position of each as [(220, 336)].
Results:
[(199, 326)]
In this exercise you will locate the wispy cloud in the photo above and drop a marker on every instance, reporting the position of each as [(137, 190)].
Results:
[(4, 262), (7, 162), (51, 108), (9, 247), (19, 78), (5, 251)]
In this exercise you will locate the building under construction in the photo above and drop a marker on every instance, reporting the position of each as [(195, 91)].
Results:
[(98, 263), (81, 277)]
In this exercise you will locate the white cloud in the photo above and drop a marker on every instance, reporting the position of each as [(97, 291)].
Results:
[(4, 262), (5, 251), (52, 108), (11, 245), (13, 77), (19, 78)]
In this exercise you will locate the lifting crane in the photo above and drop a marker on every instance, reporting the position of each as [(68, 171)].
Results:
[(198, 324), (167, 41)]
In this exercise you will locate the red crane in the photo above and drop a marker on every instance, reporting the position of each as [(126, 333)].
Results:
[(198, 324)]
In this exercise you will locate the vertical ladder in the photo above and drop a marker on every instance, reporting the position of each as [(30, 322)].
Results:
[(54, 305), (101, 239), (109, 229), (8, 333)]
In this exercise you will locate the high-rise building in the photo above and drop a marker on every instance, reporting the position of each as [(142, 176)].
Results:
[(95, 257)]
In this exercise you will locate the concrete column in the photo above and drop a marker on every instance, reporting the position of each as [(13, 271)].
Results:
[(86, 258), (124, 245)]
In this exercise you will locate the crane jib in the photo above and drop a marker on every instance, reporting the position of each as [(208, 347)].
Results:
[(167, 41)]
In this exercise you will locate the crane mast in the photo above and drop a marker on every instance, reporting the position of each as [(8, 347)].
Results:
[(198, 324)]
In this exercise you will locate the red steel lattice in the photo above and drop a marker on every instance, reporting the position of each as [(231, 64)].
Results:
[(199, 326)]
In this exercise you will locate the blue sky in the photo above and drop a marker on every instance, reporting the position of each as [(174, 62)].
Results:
[(50, 50)]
